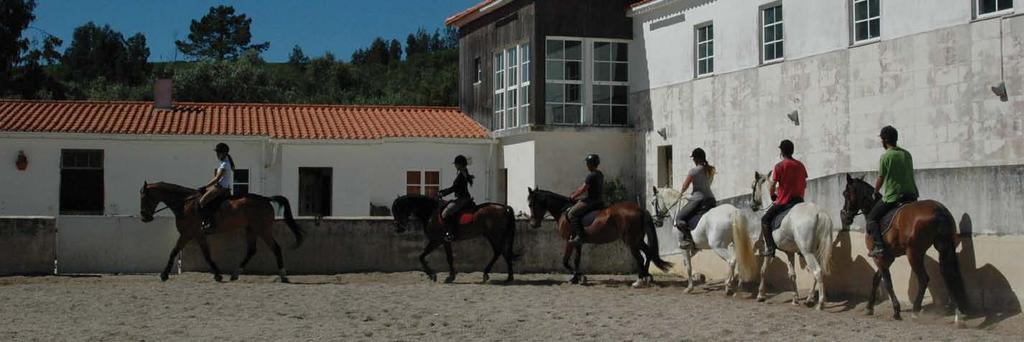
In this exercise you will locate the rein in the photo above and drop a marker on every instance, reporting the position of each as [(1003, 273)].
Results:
[(157, 211)]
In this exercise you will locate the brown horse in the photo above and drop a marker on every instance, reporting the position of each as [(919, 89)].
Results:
[(251, 212), (622, 221), (493, 221), (915, 227)]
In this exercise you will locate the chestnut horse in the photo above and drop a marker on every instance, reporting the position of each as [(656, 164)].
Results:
[(916, 227), (495, 222), (251, 212), (621, 221)]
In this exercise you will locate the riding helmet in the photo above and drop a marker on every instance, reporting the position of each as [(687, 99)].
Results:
[(222, 148), (460, 160), (889, 134), (698, 154), (593, 159), (787, 147)]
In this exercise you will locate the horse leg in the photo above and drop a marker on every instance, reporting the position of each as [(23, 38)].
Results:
[(431, 246), (792, 277), (761, 289), (205, 247), (641, 273), (565, 263), (874, 292), (817, 294), (887, 277), (250, 250), (727, 256), (182, 241), (576, 265), (687, 259), (916, 260), (268, 238), (451, 262), (494, 258)]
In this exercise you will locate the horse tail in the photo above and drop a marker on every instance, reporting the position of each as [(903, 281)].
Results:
[(949, 263), (510, 234), (823, 228), (743, 247), (289, 219), (653, 253)]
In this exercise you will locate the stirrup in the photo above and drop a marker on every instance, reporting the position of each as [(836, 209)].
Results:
[(877, 252), (449, 237), (576, 240), (206, 228)]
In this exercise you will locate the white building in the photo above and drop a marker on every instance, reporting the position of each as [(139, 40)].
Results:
[(92, 158)]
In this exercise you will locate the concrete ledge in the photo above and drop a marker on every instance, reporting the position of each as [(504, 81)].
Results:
[(28, 245)]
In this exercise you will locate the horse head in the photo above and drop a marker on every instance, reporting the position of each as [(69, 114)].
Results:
[(858, 196), (412, 212), (147, 205), (757, 190), (537, 207)]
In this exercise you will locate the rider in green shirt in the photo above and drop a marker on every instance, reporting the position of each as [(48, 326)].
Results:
[(895, 183)]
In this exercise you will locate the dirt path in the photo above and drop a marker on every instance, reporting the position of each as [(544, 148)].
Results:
[(404, 306)]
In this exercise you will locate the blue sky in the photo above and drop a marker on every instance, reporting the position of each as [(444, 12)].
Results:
[(339, 26)]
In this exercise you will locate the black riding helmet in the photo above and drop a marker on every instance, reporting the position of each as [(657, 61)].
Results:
[(222, 148), (889, 134), (461, 160), (698, 154), (787, 147), (593, 159)]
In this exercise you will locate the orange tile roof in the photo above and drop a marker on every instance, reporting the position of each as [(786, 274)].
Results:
[(280, 121), (467, 12)]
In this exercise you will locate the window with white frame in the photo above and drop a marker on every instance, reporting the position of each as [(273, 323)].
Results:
[(771, 33), (610, 97), (866, 19), (477, 71), (987, 7), (512, 80), (425, 183), (705, 49), (563, 81), (241, 182)]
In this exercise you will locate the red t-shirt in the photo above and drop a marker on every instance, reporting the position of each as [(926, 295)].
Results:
[(792, 178)]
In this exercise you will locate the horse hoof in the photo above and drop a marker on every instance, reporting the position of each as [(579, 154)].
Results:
[(575, 279), (897, 317), (869, 312), (433, 277), (486, 279), (450, 279), (761, 298), (284, 280), (164, 277), (639, 284), (508, 280), (688, 290), (729, 292), (218, 278), (234, 277)]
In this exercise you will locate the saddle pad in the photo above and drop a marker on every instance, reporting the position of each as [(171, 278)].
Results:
[(589, 218), (886, 222), (466, 218), (777, 222)]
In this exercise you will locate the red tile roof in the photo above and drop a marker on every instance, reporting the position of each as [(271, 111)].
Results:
[(280, 121), (467, 12)]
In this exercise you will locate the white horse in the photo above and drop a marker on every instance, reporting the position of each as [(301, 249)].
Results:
[(806, 230), (723, 230)]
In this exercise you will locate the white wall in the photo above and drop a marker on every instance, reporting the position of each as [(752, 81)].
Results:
[(519, 158), (364, 172)]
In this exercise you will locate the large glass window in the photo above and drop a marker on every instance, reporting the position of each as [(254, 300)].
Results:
[(499, 91), (524, 83), (512, 80), (993, 6), (563, 95), (425, 183), (705, 49), (771, 34), (610, 97), (866, 20), (81, 182)]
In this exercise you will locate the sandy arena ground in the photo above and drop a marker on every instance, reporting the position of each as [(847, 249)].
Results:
[(405, 306)]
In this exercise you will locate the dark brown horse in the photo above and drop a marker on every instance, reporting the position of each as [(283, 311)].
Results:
[(621, 221), (915, 228), (493, 221), (251, 212)]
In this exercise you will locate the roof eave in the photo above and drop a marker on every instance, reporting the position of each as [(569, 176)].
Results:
[(473, 13), (647, 7)]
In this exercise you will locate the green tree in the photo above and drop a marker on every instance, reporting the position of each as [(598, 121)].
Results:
[(100, 52), (220, 34), (394, 51), (245, 79), (297, 58), (15, 15)]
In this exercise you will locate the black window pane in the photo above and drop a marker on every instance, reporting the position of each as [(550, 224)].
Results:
[(769, 34), (711, 65), (602, 51), (778, 50), (554, 92), (862, 30), (557, 113), (874, 29), (711, 32), (860, 10), (573, 113), (602, 115), (710, 50), (572, 71), (621, 52), (572, 93), (602, 71), (620, 115), (621, 71), (987, 6), (778, 32), (873, 8), (573, 50), (555, 49), (778, 13), (769, 52), (620, 95), (602, 94), (1005, 4), (241, 176)]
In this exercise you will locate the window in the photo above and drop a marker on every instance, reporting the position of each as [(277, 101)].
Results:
[(611, 83), (866, 18), (705, 49), (563, 95), (81, 182), (478, 74), (315, 191), (665, 166), (771, 34), (241, 185), (986, 7), (426, 183), (512, 82)]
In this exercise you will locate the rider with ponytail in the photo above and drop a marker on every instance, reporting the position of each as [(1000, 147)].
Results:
[(219, 186), (701, 177), (462, 198)]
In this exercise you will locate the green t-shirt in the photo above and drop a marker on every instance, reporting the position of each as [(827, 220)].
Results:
[(897, 166)]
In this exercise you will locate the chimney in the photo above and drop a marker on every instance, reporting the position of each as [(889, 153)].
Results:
[(162, 94)]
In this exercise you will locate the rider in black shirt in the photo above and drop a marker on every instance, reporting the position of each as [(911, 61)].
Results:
[(593, 186)]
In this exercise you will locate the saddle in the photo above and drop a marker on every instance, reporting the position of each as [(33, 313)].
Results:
[(467, 213), (699, 213), (589, 217), (886, 223), (777, 222)]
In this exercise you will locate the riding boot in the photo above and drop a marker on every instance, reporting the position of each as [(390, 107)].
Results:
[(449, 229), (206, 215), (878, 250), (686, 241), (576, 237), (769, 241)]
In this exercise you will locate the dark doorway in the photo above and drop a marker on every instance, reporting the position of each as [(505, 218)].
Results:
[(315, 191)]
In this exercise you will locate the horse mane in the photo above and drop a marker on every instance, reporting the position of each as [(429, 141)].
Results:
[(552, 194), (178, 189)]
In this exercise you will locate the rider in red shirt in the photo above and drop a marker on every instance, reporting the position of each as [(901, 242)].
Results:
[(791, 178)]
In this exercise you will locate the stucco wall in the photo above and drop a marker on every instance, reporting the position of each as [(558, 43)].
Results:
[(519, 158), (340, 245), (933, 86), (27, 245), (113, 244)]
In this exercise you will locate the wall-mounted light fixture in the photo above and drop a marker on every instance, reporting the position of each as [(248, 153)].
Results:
[(1000, 90), (663, 133), (22, 162), (794, 117)]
